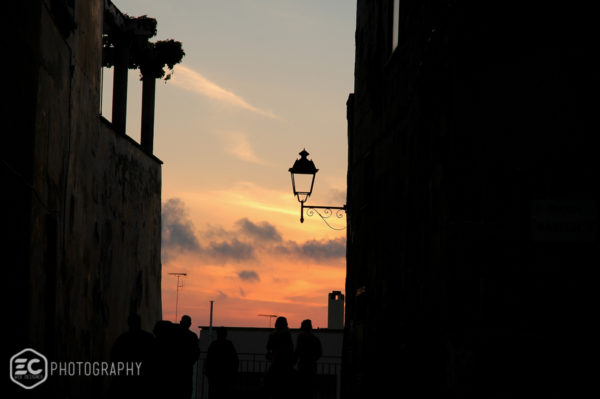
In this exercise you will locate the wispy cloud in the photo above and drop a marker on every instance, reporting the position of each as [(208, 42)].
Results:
[(188, 79), (239, 146)]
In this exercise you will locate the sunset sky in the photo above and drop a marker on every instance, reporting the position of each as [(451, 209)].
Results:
[(260, 81)]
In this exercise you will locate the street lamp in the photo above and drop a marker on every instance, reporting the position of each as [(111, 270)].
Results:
[(303, 180), (303, 172)]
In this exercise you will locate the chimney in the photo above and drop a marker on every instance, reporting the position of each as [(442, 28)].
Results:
[(335, 311)]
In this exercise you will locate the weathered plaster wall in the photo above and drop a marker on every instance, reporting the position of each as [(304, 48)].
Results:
[(85, 213)]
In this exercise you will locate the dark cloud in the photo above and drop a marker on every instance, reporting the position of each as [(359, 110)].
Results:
[(212, 233), (247, 241), (177, 229), (233, 250), (178, 236), (248, 275), (262, 231), (316, 250)]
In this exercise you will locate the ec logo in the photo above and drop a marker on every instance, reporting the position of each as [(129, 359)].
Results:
[(28, 368)]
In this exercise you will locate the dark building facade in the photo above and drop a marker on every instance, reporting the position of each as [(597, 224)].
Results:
[(473, 200), (82, 200)]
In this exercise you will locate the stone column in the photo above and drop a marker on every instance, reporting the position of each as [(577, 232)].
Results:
[(148, 97), (119, 105)]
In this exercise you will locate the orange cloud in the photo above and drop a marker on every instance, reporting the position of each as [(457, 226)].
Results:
[(241, 199), (249, 269)]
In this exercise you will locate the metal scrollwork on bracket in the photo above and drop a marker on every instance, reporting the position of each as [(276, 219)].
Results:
[(326, 212), (310, 212)]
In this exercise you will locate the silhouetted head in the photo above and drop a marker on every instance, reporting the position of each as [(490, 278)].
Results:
[(221, 333), (281, 323), (134, 322), (186, 321), (306, 325)]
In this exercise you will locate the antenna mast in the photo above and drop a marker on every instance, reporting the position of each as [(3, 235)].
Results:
[(270, 316), (179, 285)]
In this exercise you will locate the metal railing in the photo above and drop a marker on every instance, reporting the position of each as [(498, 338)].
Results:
[(254, 366)]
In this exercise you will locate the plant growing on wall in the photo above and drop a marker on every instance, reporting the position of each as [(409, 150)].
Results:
[(155, 57), (151, 58)]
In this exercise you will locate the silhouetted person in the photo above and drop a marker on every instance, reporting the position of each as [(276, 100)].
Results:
[(221, 366), (177, 351), (166, 378), (308, 351), (135, 345), (280, 352), (189, 355)]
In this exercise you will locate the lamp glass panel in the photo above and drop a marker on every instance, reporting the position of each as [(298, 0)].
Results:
[(303, 183)]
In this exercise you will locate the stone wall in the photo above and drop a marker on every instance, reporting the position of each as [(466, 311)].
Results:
[(472, 213), (83, 214)]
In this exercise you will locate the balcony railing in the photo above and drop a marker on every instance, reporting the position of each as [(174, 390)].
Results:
[(253, 368)]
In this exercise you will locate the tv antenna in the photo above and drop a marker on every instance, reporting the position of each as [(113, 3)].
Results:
[(270, 316), (179, 285)]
